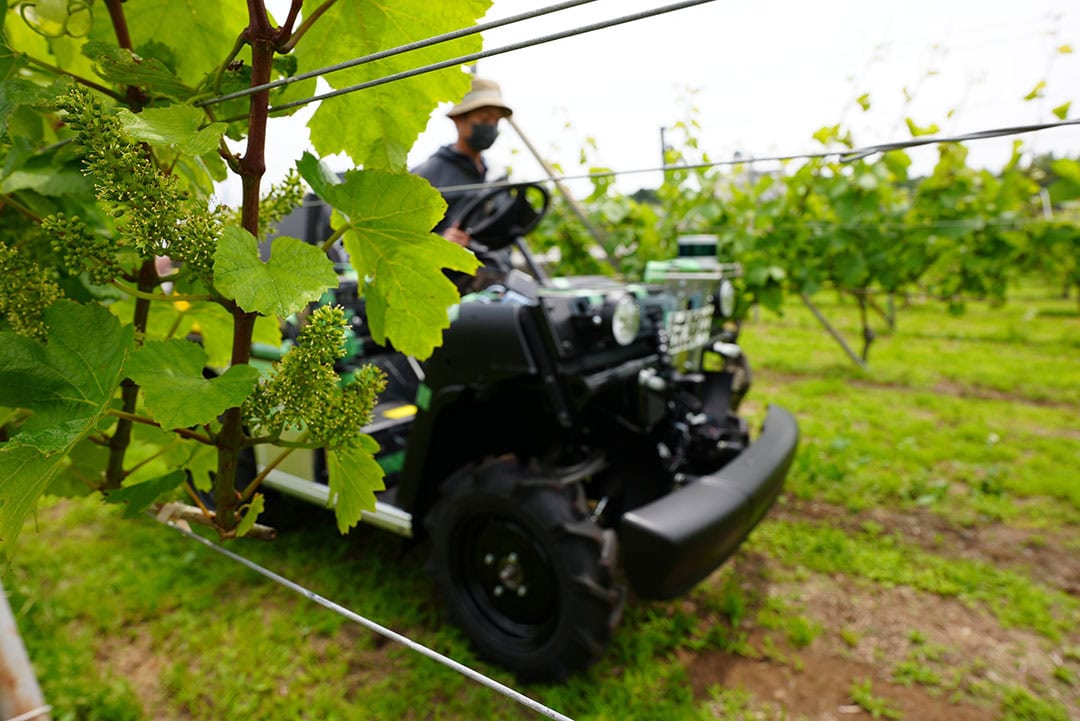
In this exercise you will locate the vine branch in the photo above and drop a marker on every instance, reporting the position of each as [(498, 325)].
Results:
[(77, 78), (150, 296), (294, 38), (184, 432)]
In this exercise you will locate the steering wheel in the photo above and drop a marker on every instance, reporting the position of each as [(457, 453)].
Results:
[(496, 217)]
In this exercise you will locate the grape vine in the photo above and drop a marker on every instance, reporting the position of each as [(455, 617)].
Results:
[(121, 284), (866, 228)]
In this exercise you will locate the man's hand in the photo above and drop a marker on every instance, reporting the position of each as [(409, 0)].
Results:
[(456, 235)]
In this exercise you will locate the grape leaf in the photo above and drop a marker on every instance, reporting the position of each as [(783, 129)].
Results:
[(16, 92), (46, 179), (26, 472), (69, 384), (84, 472), (122, 67), (175, 127), (377, 126), (238, 77), (212, 323), (204, 31), (354, 477), (170, 373), (295, 274), (389, 217), (139, 496), (257, 506)]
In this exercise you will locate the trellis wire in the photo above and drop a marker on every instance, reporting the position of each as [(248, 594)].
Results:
[(843, 155), (32, 714), (372, 626), (473, 57), (383, 54)]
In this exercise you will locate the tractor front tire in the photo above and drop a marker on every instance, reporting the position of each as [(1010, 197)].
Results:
[(524, 570)]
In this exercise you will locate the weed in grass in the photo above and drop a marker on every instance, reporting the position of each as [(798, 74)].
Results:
[(911, 672), (850, 637), (658, 690), (770, 650), (777, 614), (733, 601), (659, 629), (1036, 541), (802, 631), (862, 694), (1019, 705), (872, 528), (740, 705), (929, 445), (1012, 597), (1065, 675)]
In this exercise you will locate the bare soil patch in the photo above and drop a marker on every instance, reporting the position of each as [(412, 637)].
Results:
[(974, 660)]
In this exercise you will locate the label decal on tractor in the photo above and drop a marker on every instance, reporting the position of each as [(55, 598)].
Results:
[(689, 329)]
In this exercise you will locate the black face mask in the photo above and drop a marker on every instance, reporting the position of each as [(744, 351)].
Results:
[(482, 136)]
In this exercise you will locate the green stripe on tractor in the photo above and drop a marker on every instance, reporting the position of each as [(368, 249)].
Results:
[(423, 397), (392, 462)]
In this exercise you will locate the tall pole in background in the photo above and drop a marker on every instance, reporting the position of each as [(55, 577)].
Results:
[(597, 234), (20, 695)]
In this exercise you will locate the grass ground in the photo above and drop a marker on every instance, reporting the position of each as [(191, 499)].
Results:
[(922, 564)]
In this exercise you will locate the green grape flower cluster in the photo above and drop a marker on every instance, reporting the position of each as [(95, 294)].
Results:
[(305, 391), (282, 199), (155, 214), (81, 251), (26, 289)]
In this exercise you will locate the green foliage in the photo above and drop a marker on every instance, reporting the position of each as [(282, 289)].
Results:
[(863, 226), (139, 496), (295, 274), (170, 374), (68, 386), (354, 478), (112, 144), (386, 221), (862, 693), (1008, 595), (377, 127), (154, 213), (1019, 705)]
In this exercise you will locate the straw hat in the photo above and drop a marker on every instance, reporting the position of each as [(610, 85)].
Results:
[(484, 93)]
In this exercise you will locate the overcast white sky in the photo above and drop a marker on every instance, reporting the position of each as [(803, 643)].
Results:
[(765, 75)]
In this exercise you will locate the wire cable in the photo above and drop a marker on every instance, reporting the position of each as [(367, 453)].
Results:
[(849, 156), (473, 57), (383, 54), (372, 626), (32, 714), (844, 156)]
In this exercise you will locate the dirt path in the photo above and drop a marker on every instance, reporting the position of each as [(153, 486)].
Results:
[(958, 663)]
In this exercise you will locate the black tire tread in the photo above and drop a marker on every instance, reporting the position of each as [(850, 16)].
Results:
[(558, 517)]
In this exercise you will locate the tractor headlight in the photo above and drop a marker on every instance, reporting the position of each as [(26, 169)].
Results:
[(624, 318), (725, 299)]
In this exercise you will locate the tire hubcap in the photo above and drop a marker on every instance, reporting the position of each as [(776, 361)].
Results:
[(509, 578)]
